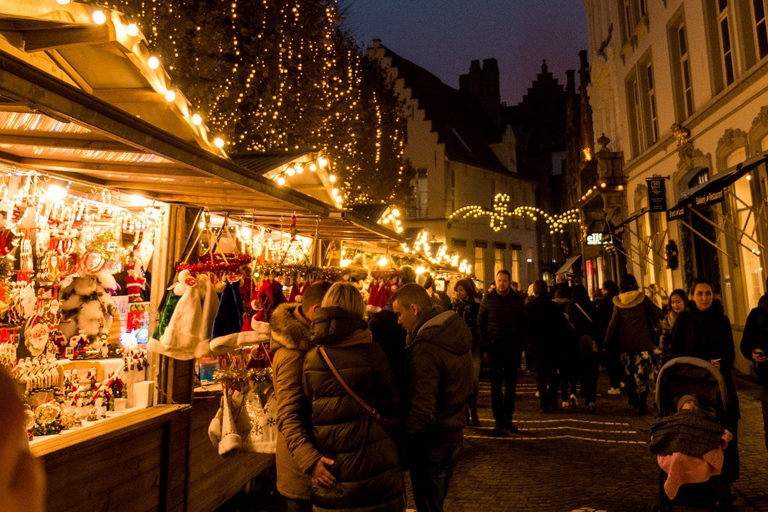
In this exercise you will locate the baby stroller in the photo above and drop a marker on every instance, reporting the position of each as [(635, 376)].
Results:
[(692, 376)]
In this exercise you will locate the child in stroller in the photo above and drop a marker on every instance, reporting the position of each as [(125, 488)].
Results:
[(689, 438)]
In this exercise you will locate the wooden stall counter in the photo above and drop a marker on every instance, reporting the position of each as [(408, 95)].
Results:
[(214, 479), (133, 462)]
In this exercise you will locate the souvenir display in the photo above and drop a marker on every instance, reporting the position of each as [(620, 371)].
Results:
[(59, 254)]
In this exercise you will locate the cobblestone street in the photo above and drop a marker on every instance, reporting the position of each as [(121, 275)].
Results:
[(573, 460)]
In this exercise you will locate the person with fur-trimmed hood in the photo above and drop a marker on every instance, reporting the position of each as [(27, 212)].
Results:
[(632, 329), (296, 458), (440, 383)]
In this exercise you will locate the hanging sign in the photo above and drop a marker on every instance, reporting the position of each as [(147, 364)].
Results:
[(657, 195), (676, 213)]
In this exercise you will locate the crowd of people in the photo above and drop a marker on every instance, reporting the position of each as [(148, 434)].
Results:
[(362, 399), (364, 395)]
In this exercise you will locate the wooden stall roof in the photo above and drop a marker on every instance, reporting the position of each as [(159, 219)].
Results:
[(113, 130)]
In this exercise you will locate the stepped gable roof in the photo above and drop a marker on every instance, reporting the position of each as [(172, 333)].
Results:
[(459, 120)]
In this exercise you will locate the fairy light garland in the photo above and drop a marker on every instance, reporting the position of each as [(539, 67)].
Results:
[(501, 212), (288, 88)]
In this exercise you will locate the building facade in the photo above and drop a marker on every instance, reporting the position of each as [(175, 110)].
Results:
[(464, 157), (680, 92)]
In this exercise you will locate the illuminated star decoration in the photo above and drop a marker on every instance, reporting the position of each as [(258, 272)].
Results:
[(501, 212)]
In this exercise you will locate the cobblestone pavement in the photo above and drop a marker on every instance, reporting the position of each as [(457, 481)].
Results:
[(574, 461)]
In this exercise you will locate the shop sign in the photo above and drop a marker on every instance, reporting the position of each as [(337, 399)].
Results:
[(676, 213), (657, 195), (711, 198), (595, 239)]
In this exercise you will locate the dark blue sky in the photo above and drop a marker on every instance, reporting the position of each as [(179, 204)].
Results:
[(444, 36)]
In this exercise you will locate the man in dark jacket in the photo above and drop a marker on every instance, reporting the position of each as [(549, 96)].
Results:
[(754, 346), (439, 371), (501, 329)]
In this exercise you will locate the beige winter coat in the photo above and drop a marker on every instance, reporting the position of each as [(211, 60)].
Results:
[(295, 454)]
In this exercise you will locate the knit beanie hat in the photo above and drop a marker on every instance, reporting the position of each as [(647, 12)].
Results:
[(687, 398)]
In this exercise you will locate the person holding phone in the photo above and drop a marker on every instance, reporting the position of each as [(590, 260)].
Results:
[(754, 345), (703, 330)]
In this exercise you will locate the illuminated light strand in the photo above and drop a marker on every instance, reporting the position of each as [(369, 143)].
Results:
[(500, 212)]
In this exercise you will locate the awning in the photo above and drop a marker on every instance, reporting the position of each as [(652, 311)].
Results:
[(58, 129), (568, 264), (713, 191)]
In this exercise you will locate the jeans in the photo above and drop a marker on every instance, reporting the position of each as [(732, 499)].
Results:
[(293, 505), (431, 471), (503, 367)]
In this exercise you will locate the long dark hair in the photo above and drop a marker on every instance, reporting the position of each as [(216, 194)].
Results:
[(469, 287)]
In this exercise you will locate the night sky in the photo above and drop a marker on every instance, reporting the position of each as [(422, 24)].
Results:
[(444, 36)]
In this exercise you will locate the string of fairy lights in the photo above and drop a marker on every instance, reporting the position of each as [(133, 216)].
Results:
[(501, 212), (293, 86)]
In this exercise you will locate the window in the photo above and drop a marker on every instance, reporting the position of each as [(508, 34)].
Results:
[(515, 268), (726, 49), (681, 71), (761, 32), (420, 193), (480, 263), (651, 92), (629, 24), (498, 260), (641, 107), (635, 119)]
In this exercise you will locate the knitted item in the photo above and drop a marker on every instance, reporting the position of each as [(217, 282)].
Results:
[(165, 317)]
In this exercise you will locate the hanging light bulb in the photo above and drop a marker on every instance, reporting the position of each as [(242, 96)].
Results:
[(196, 119), (383, 261), (290, 171), (132, 29), (281, 181), (332, 178), (170, 95), (99, 17), (218, 142), (62, 2), (153, 62), (322, 161)]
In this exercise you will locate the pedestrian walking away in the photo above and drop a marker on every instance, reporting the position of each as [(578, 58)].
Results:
[(547, 328), (440, 384), (632, 329)]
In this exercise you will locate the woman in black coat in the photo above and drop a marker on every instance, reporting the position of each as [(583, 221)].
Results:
[(366, 467), (703, 330), (465, 304)]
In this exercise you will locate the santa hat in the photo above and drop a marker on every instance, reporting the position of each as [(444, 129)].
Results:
[(230, 440), (294, 292), (229, 319)]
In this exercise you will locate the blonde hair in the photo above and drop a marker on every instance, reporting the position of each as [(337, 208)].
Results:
[(347, 297)]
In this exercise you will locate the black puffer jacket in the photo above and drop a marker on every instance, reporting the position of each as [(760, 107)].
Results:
[(501, 322), (440, 377), (756, 336), (547, 330), (368, 475)]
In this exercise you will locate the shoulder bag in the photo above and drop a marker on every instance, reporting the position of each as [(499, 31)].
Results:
[(389, 424)]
